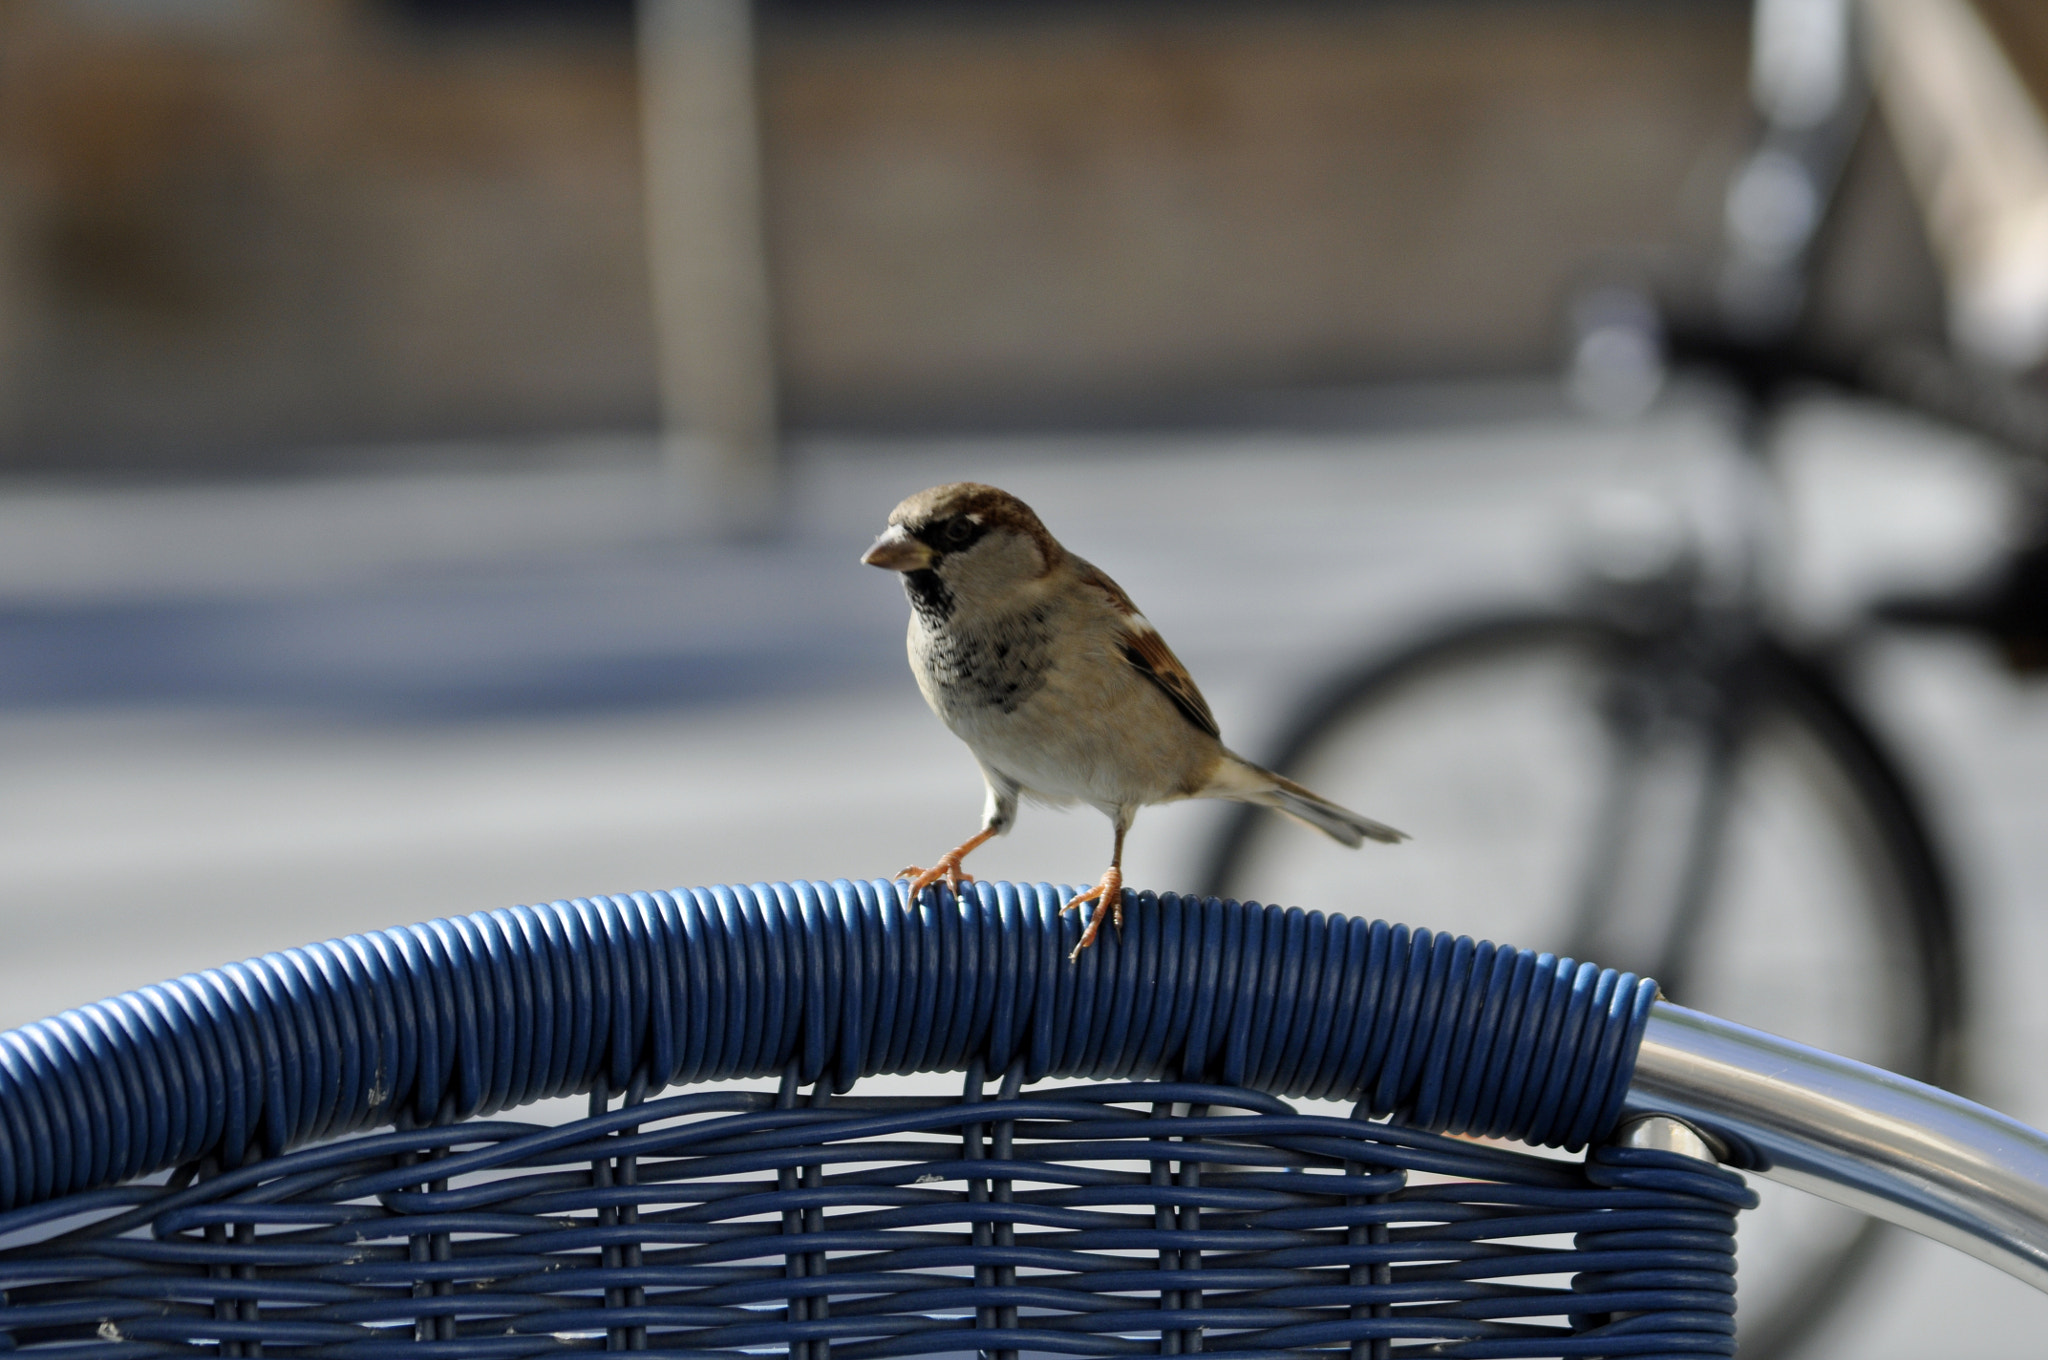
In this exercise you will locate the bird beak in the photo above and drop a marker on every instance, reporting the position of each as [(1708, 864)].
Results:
[(896, 550)]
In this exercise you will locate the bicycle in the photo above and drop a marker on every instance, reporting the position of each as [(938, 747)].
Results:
[(1650, 771)]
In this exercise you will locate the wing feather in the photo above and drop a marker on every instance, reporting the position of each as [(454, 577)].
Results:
[(1148, 653)]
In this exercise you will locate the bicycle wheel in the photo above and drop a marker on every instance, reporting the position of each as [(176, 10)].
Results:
[(1788, 851)]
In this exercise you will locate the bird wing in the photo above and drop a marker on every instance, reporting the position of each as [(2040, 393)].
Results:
[(1147, 651)]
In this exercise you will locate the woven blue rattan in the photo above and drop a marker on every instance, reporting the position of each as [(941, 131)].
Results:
[(187, 1165)]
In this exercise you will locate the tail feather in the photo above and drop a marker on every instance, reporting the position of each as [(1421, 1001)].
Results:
[(1245, 782)]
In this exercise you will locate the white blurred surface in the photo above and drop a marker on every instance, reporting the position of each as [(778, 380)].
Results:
[(143, 834)]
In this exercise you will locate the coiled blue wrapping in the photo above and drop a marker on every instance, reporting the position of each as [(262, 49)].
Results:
[(476, 1014)]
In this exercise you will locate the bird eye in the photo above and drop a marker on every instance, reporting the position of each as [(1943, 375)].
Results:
[(959, 529)]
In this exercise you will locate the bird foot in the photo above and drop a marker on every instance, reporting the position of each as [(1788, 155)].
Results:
[(1108, 897), (947, 870), (948, 867)]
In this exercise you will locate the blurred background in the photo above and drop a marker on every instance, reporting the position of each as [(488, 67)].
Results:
[(436, 436)]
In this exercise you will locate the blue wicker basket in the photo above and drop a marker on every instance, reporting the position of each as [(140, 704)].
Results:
[(307, 1154)]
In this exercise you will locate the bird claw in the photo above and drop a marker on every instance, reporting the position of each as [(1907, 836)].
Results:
[(948, 867), (946, 870), (1109, 892)]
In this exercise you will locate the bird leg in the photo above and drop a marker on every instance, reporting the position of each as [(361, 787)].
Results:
[(948, 867), (1108, 896)]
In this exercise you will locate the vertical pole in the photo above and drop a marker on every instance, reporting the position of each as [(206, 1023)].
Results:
[(1975, 145), (708, 261)]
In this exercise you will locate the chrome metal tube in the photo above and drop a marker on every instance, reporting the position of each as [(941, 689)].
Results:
[(1895, 1148)]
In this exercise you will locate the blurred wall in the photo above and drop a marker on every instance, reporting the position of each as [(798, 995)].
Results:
[(231, 229), (2021, 27), (1016, 211)]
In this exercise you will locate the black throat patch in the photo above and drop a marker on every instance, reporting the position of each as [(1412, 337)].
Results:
[(929, 597)]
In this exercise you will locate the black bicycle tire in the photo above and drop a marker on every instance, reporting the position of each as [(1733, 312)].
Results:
[(1810, 688), (1808, 692)]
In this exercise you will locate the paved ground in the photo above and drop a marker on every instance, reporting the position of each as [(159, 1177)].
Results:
[(238, 719)]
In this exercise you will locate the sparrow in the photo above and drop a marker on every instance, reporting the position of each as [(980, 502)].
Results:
[(1062, 690)]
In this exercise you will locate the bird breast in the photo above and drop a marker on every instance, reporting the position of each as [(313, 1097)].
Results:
[(993, 669), (1052, 704)]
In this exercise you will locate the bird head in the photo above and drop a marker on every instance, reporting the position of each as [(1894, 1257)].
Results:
[(970, 538)]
